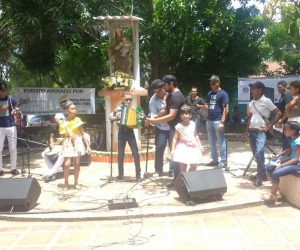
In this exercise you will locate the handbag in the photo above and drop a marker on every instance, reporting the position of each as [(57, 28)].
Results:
[(270, 132)]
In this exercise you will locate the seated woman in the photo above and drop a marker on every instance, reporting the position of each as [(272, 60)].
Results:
[(284, 166)]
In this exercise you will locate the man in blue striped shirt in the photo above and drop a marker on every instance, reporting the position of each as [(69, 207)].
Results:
[(156, 104)]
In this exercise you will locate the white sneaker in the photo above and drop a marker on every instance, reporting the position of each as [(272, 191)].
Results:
[(222, 165)]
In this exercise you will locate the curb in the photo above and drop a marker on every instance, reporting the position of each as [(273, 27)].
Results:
[(76, 217)]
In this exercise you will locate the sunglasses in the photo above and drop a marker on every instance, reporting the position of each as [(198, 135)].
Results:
[(128, 99)]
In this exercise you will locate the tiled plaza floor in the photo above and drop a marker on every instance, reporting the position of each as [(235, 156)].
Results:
[(253, 228), (81, 220)]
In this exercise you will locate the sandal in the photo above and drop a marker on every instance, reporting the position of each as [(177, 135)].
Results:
[(77, 187), (65, 188), (268, 197)]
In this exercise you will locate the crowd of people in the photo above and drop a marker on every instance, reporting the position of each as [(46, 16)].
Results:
[(177, 123)]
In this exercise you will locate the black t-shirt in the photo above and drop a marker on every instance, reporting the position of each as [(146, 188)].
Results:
[(54, 130), (193, 104), (285, 98), (215, 102), (174, 102)]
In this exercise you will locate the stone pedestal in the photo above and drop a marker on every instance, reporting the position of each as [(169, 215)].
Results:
[(113, 100)]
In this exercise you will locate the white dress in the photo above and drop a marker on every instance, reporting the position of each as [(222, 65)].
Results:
[(187, 149)]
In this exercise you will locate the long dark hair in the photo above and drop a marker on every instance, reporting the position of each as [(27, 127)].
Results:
[(296, 85), (295, 126)]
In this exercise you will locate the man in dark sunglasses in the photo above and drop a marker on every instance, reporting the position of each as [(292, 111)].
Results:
[(126, 135), (217, 105)]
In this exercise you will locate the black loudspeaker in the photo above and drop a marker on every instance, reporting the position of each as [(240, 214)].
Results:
[(201, 184), (20, 192), (85, 160)]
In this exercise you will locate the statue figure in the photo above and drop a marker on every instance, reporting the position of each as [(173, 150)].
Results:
[(119, 52), (124, 46)]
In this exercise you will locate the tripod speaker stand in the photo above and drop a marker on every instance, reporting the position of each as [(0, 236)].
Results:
[(26, 142), (252, 158), (110, 179), (146, 174)]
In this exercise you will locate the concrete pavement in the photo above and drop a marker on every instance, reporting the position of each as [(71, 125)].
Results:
[(256, 228), (91, 202)]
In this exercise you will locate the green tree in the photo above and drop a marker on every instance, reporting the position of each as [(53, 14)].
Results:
[(57, 43), (282, 38), (46, 34)]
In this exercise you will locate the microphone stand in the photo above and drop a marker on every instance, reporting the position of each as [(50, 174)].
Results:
[(252, 158), (26, 141), (227, 168), (146, 174), (23, 171), (110, 179)]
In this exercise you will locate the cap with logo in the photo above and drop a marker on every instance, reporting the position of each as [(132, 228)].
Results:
[(214, 78), (168, 79), (258, 85), (59, 116)]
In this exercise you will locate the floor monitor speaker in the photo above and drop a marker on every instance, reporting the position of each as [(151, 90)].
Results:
[(85, 160), (201, 184), (19, 192)]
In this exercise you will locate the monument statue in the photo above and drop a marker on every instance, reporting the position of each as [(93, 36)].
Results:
[(119, 52)]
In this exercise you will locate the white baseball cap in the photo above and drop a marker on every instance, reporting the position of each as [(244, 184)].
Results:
[(59, 116)]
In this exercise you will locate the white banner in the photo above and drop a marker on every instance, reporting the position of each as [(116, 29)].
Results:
[(46, 101), (244, 93)]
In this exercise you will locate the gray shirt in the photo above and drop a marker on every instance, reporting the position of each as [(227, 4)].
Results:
[(155, 106)]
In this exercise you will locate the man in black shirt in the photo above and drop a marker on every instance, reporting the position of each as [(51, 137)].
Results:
[(195, 102), (170, 114), (285, 98)]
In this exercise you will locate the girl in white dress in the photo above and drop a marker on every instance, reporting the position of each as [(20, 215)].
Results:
[(186, 145)]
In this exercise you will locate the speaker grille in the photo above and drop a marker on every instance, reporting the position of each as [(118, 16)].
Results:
[(23, 192), (200, 184)]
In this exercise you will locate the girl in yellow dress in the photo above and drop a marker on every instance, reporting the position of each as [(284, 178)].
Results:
[(72, 147)]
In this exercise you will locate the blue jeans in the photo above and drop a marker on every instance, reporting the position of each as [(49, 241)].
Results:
[(174, 166), (212, 132), (275, 174), (161, 139), (127, 135), (257, 142), (197, 121)]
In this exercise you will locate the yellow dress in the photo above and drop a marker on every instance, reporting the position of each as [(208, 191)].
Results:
[(72, 145)]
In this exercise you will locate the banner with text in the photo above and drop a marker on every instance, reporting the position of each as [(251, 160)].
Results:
[(47, 101), (244, 93)]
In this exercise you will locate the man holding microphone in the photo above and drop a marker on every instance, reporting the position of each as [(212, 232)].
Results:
[(8, 111)]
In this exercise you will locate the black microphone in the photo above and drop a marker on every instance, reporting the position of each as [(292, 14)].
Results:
[(149, 116), (19, 111)]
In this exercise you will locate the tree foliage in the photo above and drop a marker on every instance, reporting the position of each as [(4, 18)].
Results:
[(283, 37), (57, 42)]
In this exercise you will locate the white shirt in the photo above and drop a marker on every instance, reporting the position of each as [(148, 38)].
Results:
[(265, 106)]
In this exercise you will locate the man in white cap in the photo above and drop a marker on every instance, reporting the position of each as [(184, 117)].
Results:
[(53, 151)]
